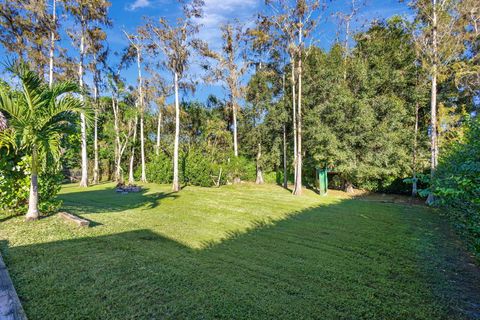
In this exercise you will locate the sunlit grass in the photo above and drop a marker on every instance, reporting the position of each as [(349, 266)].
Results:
[(241, 251)]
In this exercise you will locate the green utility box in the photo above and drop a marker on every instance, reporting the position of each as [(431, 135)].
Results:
[(322, 178)]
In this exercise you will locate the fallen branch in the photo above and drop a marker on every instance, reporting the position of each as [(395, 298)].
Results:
[(71, 218)]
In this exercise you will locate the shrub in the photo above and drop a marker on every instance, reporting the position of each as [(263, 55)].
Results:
[(15, 185), (159, 169), (273, 177), (241, 167), (197, 169), (457, 183)]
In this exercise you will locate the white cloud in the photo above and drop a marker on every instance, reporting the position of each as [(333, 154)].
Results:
[(218, 12), (138, 4)]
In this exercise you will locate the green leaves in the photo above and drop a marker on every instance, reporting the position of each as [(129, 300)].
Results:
[(361, 120), (38, 116), (457, 182)]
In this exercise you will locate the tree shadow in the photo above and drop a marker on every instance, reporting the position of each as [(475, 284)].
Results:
[(10, 215), (341, 261), (107, 200)]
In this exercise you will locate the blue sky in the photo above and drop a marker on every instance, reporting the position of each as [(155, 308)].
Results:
[(128, 15)]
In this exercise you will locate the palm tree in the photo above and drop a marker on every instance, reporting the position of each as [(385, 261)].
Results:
[(37, 116)]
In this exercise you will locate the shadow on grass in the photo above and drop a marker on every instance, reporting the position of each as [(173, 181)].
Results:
[(9, 215), (107, 200), (325, 263)]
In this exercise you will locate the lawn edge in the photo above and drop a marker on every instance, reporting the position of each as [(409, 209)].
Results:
[(10, 305)]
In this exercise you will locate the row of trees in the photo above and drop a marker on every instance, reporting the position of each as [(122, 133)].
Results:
[(360, 108)]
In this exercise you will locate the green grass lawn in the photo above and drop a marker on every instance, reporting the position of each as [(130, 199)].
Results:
[(238, 252)]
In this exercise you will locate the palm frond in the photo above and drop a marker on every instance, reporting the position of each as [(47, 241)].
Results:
[(32, 84), (13, 109), (8, 139), (39, 116), (77, 106), (65, 108)]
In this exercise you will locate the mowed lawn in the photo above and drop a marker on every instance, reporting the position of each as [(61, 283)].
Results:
[(238, 252)]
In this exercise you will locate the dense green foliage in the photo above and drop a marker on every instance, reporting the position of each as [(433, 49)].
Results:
[(199, 169), (359, 118), (361, 108), (237, 252), (15, 185), (457, 182), (36, 118), (377, 107)]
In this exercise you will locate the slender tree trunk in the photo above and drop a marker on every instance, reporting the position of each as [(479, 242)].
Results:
[(96, 170), (414, 156), (175, 185), (131, 178), (52, 44), (433, 106), (259, 179), (294, 116), (117, 140), (433, 135), (142, 110), (159, 132), (235, 141), (118, 172), (285, 171), (142, 148), (32, 213), (83, 126), (84, 180), (347, 33), (298, 179)]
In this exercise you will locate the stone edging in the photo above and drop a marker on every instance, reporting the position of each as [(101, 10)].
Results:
[(10, 306)]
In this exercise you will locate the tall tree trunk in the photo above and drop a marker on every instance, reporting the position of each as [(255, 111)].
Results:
[(142, 110), (159, 131), (131, 178), (84, 180), (347, 33), (117, 139), (235, 141), (175, 185), (32, 213), (414, 155), (119, 172), (298, 178), (96, 170), (142, 149), (259, 179), (52, 44), (285, 171), (294, 115), (433, 106)]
